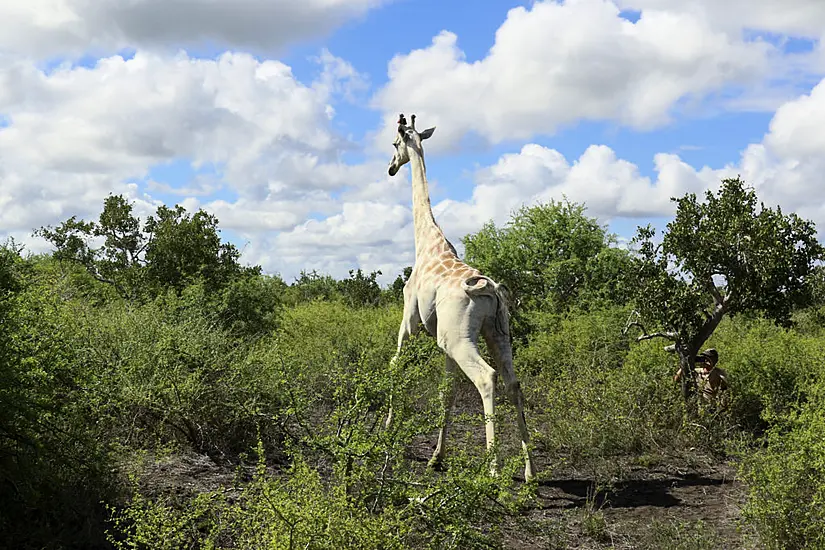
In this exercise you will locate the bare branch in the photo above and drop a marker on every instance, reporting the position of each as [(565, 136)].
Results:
[(717, 296), (727, 300), (673, 336), (631, 322)]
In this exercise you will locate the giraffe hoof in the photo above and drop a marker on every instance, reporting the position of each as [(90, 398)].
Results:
[(436, 464)]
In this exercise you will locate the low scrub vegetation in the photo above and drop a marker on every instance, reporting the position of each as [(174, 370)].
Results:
[(119, 362)]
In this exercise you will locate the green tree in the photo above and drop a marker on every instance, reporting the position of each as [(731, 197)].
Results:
[(359, 289), (310, 286), (395, 292), (552, 257), (173, 249), (723, 256), (54, 465), (185, 247), (118, 261)]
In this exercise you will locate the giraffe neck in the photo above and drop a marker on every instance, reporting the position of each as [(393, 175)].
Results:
[(427, 231)]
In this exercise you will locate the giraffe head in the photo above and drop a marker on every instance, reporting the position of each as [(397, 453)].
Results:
[(405, 139)]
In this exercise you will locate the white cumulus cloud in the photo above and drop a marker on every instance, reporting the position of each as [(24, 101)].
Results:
[(75, 134), (559, 63), (44, 28), (794, 17)]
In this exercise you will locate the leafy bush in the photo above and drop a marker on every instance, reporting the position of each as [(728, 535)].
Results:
[(574, 341), (300, 509), (351, 483), (679, 535), (165, 373), (551, 256), (293, 511), (786, 501), (595, 412), (55, 463), (770, 370)]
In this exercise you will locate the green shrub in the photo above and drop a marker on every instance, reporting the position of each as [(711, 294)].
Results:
[(594, 398), (351, 483), (165, 373), (302, 509), (679, 535), (786, 501), (293, 511), (769, 370), (55, 463), (573, 342)]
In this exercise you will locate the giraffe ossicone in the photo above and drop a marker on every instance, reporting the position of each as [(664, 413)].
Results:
[(456, 304)]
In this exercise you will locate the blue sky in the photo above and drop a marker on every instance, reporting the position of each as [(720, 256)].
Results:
[(276, 118)]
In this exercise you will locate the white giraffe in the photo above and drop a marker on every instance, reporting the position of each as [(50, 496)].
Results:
[(455, 303)]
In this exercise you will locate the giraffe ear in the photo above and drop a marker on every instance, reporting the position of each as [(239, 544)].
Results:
[(427, 133)]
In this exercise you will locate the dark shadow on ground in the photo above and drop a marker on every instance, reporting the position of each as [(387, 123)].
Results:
[(575, 493)]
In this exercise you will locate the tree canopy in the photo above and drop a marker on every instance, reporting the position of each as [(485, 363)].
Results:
[(724, 256), (551, 255), (173, 249)]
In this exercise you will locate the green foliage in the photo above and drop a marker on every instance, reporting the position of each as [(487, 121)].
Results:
[(298, 509), (578, 340), (361, 290), (357, 291), (764, 256), (249, 306), (184, 247), (311, 286), (169, 373), (594, 412), (770, 370), (679, 535), (173, 250), (396, 290), (593, 396), (293, 511), (350, 483), (551, 256), (786, 504), (54, 461), (118, 260)]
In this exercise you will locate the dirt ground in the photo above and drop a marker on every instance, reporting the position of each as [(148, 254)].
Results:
[(689, 506), (688, 502), (656, 507)]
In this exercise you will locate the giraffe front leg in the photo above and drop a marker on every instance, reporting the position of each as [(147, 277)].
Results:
[(447, 395), (409, 326), (483, 377)]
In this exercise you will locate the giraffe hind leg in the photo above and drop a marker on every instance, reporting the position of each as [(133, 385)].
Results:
[(465, 353), (498, 342)]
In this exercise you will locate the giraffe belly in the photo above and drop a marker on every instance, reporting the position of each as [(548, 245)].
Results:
[(426, 308)]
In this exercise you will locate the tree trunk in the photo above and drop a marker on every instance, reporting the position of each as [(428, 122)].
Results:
[(687, 363), (687, 352)]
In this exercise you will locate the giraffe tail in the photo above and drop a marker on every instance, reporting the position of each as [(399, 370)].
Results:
[(478, 285)]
